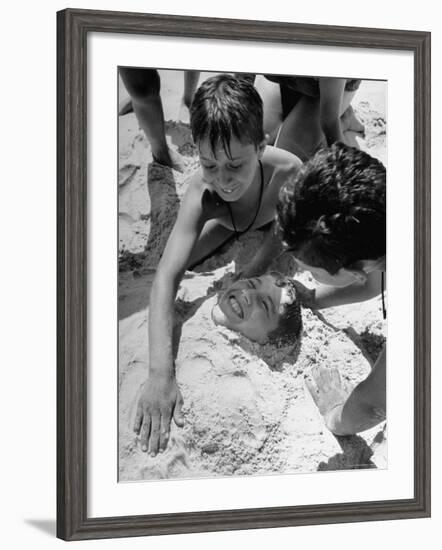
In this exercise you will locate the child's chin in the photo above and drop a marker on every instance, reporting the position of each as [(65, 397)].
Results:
[(218, 316)]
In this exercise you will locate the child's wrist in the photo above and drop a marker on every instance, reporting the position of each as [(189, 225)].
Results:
[(161, 370), (333, 419)]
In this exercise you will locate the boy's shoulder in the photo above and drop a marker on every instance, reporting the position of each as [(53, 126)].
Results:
[(195, 179), (195, 184), (280, 163)]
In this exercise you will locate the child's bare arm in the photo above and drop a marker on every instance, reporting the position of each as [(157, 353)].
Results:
[(326, 296), (161, 399), (270, 249), (347, 413)]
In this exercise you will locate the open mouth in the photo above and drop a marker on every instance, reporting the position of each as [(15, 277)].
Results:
[(232, 306), (229, 190), (236, 306)]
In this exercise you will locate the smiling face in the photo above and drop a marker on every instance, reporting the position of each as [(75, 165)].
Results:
[(254, 307), (232, 172)]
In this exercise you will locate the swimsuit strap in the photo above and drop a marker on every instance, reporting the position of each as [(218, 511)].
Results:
[(261, 190), (384, 311)]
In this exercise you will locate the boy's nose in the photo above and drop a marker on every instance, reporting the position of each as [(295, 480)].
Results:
[(225, 177), (246, 294)]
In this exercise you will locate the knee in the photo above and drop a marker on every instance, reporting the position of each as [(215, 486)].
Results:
[(140, 83)]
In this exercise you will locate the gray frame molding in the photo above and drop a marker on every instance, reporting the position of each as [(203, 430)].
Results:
[(72, 28)]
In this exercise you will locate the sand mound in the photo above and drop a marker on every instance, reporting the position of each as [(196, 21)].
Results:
[(246, 407)]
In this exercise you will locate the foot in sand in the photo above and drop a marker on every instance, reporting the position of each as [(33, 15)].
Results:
[(126, 107), (184, 113), (170, 158), (350, 122)]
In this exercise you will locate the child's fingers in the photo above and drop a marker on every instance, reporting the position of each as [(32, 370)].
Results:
[(138, 419), (145, 432), (154, 434), (177, 413), (324, 378), (335, 377), (316, 373), (313, 389), (164, 430)]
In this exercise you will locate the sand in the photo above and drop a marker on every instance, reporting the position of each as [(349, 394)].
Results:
[(246, 407)]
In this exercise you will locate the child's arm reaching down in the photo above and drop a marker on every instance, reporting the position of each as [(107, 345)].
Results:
[(161, 399), (327, 296), (344, 412), (270, 249)]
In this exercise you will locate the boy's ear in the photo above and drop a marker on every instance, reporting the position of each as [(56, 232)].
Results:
[(262, 146)]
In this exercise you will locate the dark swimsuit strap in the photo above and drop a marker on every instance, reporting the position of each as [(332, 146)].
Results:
[(261, 191), (384, 311), (236, 234)]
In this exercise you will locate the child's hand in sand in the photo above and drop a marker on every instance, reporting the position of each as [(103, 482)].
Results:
[(327, 390), (160, 400)]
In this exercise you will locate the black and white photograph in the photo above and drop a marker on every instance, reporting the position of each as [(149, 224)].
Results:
[(252, 281), (200, 199)]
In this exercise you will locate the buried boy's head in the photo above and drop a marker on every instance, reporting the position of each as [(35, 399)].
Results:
[(332, 216), (264, 309)]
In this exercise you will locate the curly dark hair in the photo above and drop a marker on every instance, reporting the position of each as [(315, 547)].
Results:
[(225, 106), (333, 213)]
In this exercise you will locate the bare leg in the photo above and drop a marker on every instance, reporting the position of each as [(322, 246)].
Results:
[(212, 237), (190, 83), (143, 86), (125, 106), (351, 126), (350, 138), (271, 97), (301, 131), (350, 123)]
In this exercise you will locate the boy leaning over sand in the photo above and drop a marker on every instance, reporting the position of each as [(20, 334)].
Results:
[(332, 216), (235, 190)]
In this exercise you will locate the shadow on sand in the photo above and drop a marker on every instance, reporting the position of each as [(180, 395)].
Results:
[(136, 271), (356, 454)]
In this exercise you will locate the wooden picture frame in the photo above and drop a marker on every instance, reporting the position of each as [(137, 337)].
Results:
[(73, 27)]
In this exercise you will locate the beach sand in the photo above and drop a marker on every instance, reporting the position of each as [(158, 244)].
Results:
[(246, 408)]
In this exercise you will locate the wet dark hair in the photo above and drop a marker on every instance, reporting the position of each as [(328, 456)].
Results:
[(333, 213), (290, 321), (289, 326), (224, 107)]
